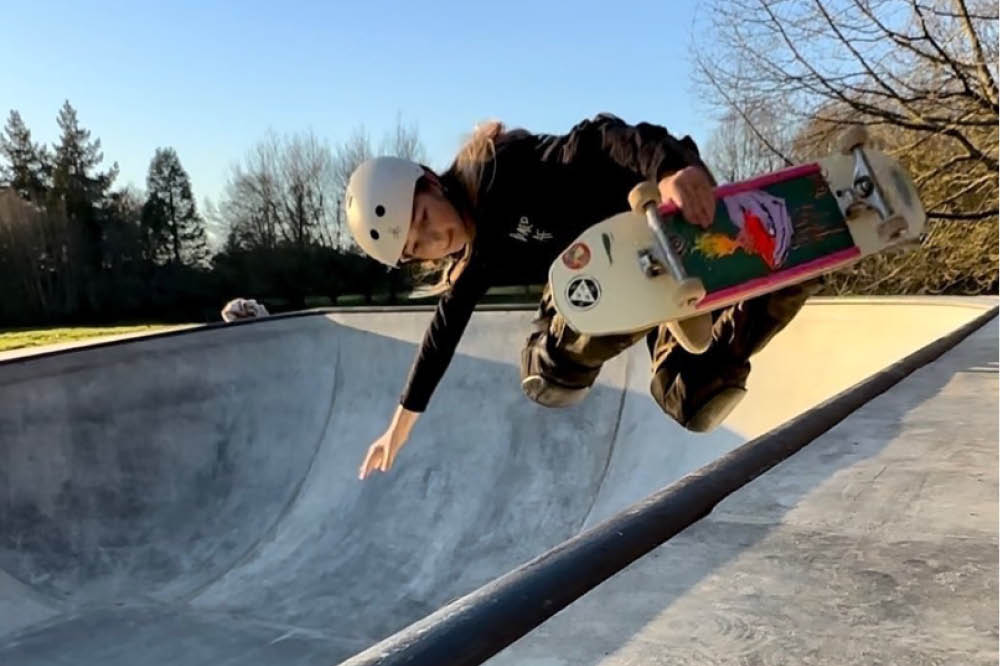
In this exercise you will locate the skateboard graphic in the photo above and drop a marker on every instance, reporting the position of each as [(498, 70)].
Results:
[(646, 267)]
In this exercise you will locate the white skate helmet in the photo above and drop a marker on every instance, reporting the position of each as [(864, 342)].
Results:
[(379, 205)]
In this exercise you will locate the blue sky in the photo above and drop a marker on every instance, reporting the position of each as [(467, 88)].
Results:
[(211, 78)]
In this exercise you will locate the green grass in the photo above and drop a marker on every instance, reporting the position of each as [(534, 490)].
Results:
[(23, 338)]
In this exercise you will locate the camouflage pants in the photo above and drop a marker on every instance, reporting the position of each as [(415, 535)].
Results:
[(681, 382)]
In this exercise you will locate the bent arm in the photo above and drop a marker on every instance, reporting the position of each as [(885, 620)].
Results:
[(608, 144)]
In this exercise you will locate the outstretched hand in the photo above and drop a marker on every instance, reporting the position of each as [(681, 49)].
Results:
[(381, 454), (691, 190)]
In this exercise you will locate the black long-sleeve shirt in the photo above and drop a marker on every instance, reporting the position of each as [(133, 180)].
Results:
[(539, 192)]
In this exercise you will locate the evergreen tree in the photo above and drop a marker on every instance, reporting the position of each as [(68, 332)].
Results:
[(81, 191), (27, 163), (174, 232), (78, 185), (75, 172)]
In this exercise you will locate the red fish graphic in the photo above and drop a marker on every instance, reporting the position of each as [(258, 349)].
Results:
[(765, 229), (757, 240)]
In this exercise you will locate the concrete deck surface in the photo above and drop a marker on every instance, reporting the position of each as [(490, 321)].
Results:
[(876, 544)]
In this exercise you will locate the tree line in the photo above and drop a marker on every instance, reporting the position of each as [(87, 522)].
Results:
[(785, 78), (76, 248)]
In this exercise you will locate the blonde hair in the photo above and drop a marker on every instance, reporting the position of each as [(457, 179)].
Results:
[(469, 169), (478, 150)]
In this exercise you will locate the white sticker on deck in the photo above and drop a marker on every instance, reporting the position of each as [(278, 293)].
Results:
[(583, 293)]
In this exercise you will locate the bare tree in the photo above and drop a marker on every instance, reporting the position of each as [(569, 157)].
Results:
[(307, 194), (924, 73), (215, 225), (282, 193), (34, 256), (247, 208), (735, 151), (403, 141), (289, 190)]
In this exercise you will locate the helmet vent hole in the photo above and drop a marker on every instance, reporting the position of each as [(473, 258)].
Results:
[(380, 210), (375, 233)]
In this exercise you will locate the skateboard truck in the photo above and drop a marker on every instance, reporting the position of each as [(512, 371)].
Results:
[(649, 264), (694, 333), (865, 192), (661, 257)]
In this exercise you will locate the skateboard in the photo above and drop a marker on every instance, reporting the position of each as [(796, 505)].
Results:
[(648, 266)]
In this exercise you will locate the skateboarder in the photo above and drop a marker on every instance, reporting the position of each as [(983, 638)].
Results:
[(508, 205)]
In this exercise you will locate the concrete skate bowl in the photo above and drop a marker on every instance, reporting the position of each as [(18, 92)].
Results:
[(193, 497)]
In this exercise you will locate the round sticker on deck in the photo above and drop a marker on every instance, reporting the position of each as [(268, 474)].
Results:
[(577, 256), (583, 293)]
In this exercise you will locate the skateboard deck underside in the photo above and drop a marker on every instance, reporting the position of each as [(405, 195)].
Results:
[(767, 233)]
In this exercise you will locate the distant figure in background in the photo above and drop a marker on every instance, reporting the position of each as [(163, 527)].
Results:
[(243, 308)]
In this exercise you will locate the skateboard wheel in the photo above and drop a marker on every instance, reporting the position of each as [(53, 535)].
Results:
[(642, 195), (892, 230), (852, 138), (690, 292)]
